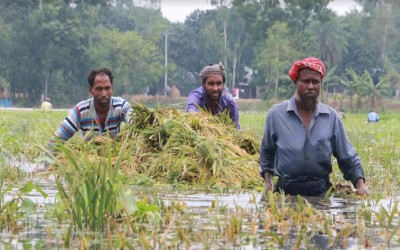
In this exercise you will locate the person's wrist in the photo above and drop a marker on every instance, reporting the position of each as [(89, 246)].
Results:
[(360, 183)]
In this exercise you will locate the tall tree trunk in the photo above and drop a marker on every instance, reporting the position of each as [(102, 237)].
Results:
[(166, 64), (390, 7), (233, 73), (276, 72), (46, 84), (225, 48)]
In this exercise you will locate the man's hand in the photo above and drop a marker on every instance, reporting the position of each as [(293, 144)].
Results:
[(269, 186), (361, 187)]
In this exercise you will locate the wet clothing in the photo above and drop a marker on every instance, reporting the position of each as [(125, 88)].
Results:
[(291, 151), (83, 117), (303, 185), (197, 100), (373, 117)]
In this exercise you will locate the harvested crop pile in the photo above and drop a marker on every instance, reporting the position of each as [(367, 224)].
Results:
[(170, 146)]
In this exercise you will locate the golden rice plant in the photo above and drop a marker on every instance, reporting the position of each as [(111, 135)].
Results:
[(171, 146)]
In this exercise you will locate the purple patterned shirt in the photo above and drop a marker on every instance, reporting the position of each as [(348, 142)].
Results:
[(197, 99)]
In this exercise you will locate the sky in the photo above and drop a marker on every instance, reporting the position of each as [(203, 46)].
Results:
[(177, 10)]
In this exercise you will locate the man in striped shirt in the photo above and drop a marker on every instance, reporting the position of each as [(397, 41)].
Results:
[(103, 113)]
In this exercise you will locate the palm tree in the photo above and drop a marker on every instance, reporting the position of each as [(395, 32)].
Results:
[(353, 86), (332, 38), (375, 91), (330, 80)]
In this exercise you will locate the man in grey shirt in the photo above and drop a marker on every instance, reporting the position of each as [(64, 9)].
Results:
[(300, 136)]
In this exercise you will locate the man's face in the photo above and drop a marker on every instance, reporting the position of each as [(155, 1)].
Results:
[(308, 85), (213, 87), (101, 90)]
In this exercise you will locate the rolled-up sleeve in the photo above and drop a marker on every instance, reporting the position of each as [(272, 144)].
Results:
[(67, 128), (348, 160), (126, 111)]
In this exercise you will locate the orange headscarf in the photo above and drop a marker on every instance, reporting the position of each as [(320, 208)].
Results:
[(309, 62)]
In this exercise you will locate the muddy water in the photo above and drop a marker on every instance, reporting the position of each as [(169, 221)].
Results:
[(208, 213)]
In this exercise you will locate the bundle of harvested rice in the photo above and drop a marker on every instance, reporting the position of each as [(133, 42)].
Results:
[(170, 146)]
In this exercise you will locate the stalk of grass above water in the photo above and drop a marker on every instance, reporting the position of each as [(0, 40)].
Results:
[(91, 190)]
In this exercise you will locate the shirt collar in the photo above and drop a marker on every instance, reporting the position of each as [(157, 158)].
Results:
[(91, 105), (319, 108)]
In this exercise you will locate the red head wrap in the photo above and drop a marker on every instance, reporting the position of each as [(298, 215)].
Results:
[(310, 63)]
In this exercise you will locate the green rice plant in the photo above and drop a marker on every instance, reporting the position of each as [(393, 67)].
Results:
[(145, 212), (92, 191), (19, 135), (386, 217), (233, 229), (300, 238), (344, 233), (13, 174), (378, 147), (17, 207)]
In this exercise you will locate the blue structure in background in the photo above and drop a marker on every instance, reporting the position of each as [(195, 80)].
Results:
[(6, 103)]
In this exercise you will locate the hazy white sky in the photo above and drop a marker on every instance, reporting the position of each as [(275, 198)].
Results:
[(177, 10)]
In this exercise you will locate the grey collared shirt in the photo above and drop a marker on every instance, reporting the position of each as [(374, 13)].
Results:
[(289, 150)]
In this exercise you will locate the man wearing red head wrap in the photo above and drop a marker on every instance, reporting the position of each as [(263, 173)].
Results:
[(300, 136), (309, 62)]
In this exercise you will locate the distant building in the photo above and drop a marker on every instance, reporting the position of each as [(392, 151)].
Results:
[(5, 100)]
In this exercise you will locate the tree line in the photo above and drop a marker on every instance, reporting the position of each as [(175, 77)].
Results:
[(47, 47)]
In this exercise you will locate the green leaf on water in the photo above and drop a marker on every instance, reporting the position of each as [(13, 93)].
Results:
[(146, 207), (40, 190), (28, 187), (28, 206)]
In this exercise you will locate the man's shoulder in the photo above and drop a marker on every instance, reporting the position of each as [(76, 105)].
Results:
[(196, 95), (278, 107), (197, 91), (228, 97), (325, 108), (85, 104), (117, 99), (119, 102)]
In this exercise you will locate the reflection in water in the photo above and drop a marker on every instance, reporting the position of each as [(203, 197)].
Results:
[(210, 214)]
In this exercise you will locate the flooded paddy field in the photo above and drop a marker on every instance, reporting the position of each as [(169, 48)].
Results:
[(43, 209)]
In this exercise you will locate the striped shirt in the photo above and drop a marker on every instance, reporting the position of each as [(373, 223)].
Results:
[(84, 117)]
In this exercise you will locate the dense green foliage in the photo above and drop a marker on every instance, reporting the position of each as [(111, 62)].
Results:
[(50, 47)]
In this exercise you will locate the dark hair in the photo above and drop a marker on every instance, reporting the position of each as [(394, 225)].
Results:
[(95, 72)]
